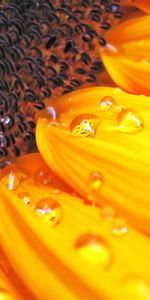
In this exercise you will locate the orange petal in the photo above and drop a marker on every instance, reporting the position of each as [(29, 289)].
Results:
[(78, 258), (118, 151), (142, 4), (127, 56)]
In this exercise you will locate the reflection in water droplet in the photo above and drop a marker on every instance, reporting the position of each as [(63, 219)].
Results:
[(94, 249), (11, 181), (84, 125), (119, 227), (42, 177), (51, 112), (108, 213), (4, 295), (137, 288), (26, 197), (107, 102), (129, 121), (50, 210)]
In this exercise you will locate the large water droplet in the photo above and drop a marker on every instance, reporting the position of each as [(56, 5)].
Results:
[(107, 102), (137, 288), (84, 125), (94, 249), (129, 121), (50, 210), (119, 227), (42, 176)]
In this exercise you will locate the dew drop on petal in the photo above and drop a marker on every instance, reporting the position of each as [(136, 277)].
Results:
[(11, 181), (50, 210), (129, 121), (95, 181), (107, 102), (137, 289), (26, 197), (42, 177), (84, 125), (119, 227), (94, 249)]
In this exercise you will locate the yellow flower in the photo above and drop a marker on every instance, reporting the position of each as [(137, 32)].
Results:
[(76, 240), (75, 218)]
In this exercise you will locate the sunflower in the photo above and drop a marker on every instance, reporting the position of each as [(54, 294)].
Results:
[(75, 218)]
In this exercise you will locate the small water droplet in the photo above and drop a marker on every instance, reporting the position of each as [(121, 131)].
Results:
[(26, 197), (94, 249), (119, 227), (129, 121), (95, 180), (11, 181), (107, 102), (84, 125), (50, 210), (42, 177), (4, 295), (108, 213), (137, 288)]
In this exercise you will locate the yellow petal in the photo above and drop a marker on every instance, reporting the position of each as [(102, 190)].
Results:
[(117, 146), (88, 251), (126, 56)]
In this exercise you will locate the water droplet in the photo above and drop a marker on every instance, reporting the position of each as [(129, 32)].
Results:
[(26, 197), (107, 102), (11, 181), (94, 249), (50, 210), (119, 227), (137, 288), (4, 295), (84, 125), (129, 121), (95, 181), (108, 213), (42, 177), (14, 178)]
